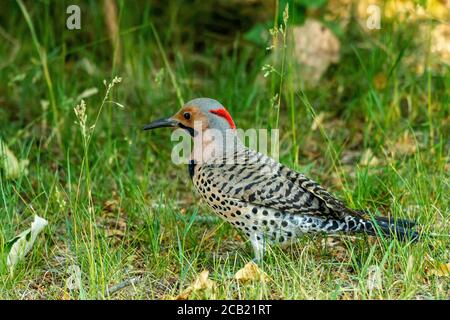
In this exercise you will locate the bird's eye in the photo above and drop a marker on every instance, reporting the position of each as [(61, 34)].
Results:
[(187, 115)]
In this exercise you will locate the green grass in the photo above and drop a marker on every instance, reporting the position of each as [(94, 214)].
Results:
[(118, 208)]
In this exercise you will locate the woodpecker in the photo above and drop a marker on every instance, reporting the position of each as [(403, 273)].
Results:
[(267, 201)]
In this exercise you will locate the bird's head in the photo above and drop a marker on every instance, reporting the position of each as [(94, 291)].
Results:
[(198, 114)]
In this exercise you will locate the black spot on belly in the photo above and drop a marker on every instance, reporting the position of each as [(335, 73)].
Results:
[(284, 223), (351, 224), (368, 226), (255, 210), (238, 212), (334, 225), (265, 213)]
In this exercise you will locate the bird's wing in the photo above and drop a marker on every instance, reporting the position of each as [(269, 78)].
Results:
[(313, 187), (262, 181)]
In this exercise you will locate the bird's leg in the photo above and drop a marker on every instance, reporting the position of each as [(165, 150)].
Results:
[(258, 245)]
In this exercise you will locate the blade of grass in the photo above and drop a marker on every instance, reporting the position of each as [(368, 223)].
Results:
[(43, 58)]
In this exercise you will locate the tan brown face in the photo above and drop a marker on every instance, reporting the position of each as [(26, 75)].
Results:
[(187, 118), (190, 114)]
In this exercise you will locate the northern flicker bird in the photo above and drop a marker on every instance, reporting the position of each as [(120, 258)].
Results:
[(269, 202)]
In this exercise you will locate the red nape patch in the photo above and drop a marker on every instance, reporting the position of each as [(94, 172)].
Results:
[(222, 112)]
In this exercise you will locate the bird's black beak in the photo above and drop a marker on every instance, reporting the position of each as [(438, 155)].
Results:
[(161, 123)]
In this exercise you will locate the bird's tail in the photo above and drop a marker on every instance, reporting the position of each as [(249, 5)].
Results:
[(401, 229)]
